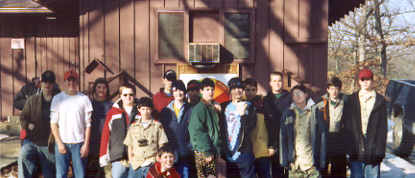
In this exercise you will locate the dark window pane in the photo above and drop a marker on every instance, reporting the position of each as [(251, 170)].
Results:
[(164, 50), (171, 29), (237, 34), (244, 49)]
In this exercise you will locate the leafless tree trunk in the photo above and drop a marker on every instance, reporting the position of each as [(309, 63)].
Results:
[(380, 37), (362, 38)]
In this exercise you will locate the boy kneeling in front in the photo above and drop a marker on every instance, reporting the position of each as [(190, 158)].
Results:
[(164, 165)]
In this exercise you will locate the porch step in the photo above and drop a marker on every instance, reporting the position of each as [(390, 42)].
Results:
[(11, 129)]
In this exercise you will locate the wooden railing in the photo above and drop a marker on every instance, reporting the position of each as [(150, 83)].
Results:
[(288, 76), (124, 78)]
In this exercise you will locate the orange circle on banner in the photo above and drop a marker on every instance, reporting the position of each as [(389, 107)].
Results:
[(221, 91)]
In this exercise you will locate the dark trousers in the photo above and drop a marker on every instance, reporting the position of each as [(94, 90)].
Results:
[(336, 160), (93, 168), (241, 169), (336, 166), (277, 170), (185, 166), (263, 167)]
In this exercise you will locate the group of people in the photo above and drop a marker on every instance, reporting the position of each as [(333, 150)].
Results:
[(183, 132)]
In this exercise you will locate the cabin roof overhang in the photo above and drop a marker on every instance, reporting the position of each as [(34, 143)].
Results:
[(339, 8)]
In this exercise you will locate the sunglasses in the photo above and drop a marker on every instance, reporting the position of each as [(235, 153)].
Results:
[(130, 94)]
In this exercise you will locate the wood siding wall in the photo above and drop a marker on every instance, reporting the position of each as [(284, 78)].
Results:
[(289, 34), (49, 45)]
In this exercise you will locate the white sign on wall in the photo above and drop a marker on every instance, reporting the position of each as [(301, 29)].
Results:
[(17, 43)]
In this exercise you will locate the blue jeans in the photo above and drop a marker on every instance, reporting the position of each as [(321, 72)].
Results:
[(141, 172), (118, 170), (359, 169), (183, 169), (30, 157), (73, 152)]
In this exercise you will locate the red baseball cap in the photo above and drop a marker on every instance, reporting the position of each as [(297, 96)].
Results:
[(365, 73), (70, 73)]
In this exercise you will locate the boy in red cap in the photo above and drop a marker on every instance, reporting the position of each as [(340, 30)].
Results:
[(365, 128), (70, 121)]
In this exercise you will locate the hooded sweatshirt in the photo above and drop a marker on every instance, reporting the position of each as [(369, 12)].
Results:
[(161, 100), (288, 138)]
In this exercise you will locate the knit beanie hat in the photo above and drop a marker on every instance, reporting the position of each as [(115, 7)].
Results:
[(178, 85)]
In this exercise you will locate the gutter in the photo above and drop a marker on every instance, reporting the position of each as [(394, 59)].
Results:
[(24, 10)]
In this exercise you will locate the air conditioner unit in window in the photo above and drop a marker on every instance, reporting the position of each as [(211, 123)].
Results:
[(204, 52)]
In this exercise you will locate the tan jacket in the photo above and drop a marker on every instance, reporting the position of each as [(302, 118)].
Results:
[(155, 136), (260, 137)]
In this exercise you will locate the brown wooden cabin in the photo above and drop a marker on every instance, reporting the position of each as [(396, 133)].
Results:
[(249, 38)]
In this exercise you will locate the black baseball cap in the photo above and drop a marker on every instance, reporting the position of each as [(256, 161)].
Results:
[(48, 76), (235, 82), (170, 75)]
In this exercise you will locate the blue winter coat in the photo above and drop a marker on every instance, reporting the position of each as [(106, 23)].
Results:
[(176, 128)]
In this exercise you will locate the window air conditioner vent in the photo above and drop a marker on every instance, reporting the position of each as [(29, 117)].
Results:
[(204, 52)]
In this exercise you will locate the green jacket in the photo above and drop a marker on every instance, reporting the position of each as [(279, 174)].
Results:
[(204, 129)]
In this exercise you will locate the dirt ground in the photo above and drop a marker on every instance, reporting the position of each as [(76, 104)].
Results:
[(11, 172)]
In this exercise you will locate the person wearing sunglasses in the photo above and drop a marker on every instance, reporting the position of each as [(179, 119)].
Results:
[(115, 129)]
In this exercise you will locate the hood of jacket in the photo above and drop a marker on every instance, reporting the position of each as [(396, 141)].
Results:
[(164, 94), (310, 103)]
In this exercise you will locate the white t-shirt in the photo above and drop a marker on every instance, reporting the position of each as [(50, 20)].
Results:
[(72, 113)]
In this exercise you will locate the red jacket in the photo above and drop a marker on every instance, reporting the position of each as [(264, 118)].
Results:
[(113, 134), (161, 100), (154, 172)]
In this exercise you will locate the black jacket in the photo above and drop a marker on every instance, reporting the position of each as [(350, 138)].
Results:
[(27, 91), (24, 93), (371, 149), (264, 108), (278, 106), (113, 134), (248, 123)]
